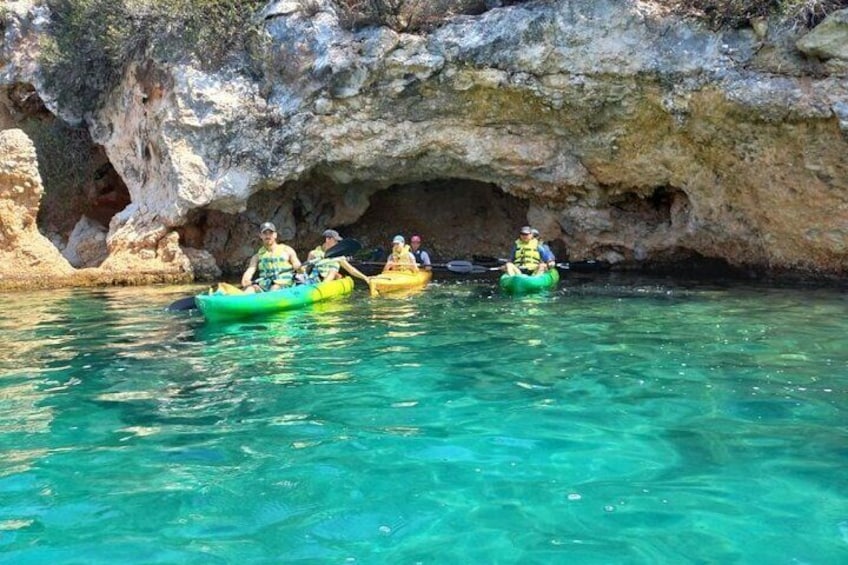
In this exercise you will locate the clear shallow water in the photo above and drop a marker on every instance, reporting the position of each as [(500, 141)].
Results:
[(616, 420)]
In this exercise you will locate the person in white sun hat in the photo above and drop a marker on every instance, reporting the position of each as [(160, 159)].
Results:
[(401, 258)]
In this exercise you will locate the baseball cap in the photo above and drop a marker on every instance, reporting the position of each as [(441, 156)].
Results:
[(416, 238), (267, 226), (535, 232), (398, 239), (526, 229), (332, 233)]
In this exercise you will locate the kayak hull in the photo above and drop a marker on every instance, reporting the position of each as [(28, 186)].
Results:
[(396, 281), (527, 284), (220, 306)]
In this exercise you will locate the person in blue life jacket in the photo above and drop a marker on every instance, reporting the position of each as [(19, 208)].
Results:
[(547, 255), (329, 269), (421, 255), (401, 258), (276, 263), (527, 255)]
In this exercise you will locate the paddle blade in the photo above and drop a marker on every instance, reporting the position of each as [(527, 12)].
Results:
[(461, 267), (186, 303), (344, 247)]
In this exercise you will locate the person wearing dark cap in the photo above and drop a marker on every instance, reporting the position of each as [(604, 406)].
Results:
[(526, 255), (421, 256), (328, 269), (276, 263), (401, 258), (545, 250)]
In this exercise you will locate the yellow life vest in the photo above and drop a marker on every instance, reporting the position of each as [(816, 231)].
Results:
[(401, 259), (527, 254), (274, 267), (323, 266)]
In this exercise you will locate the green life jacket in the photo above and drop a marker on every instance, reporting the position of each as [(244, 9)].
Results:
[(274, 267), (324, 266), (527, 254)]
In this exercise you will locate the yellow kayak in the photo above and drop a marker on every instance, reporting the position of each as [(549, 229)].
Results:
[(393, 281)]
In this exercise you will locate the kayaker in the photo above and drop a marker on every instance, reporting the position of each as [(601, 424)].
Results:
[(421, 255), (275, 261), (328, 269), (401, 258), (547, 255), (526, 255)]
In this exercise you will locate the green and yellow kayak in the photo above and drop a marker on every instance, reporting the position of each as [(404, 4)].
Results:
[(226, 304), (394, 281), (526, 284)]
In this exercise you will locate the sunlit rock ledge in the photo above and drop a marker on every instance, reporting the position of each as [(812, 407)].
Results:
[(624, 134)]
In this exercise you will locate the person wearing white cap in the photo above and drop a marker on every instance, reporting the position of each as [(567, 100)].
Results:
[(276, 263), (526, 255), (401, 258), (421, 256), (328, 269)]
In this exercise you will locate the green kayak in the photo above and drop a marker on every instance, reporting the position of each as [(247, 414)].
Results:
[(525, 284), (224, 306)]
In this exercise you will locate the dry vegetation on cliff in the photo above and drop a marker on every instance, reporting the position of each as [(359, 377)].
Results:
[(416, 15), (738, 13), (94, 41)]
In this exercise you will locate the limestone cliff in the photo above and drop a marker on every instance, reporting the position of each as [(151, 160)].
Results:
[(623, 133), (25, 253)]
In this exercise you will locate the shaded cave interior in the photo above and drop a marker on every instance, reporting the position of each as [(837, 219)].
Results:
[(454, 217)]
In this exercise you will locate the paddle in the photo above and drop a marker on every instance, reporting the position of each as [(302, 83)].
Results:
[(187, 303), (466, 267), (342, 248), (383, 263), (589, 265)]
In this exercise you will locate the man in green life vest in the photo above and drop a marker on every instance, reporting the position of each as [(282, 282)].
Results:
[(276, 263), (527, 255), (328, 269)]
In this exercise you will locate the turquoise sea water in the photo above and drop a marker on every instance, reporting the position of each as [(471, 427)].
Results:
[(614, 421)]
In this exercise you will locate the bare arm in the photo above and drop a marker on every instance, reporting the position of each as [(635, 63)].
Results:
[(352, 270), (295, 262), (247, 277)]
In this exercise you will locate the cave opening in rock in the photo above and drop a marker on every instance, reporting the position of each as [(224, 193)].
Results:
[(82, 190), (456, 218)]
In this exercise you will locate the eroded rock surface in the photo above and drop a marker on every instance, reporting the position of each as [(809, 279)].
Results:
[(628, 134), (24, 252)]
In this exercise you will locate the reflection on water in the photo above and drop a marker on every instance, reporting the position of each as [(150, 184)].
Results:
[(613, 420)]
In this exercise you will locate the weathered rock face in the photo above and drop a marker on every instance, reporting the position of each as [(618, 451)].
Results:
[(24, 252), (30, 260), (622, 133)]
